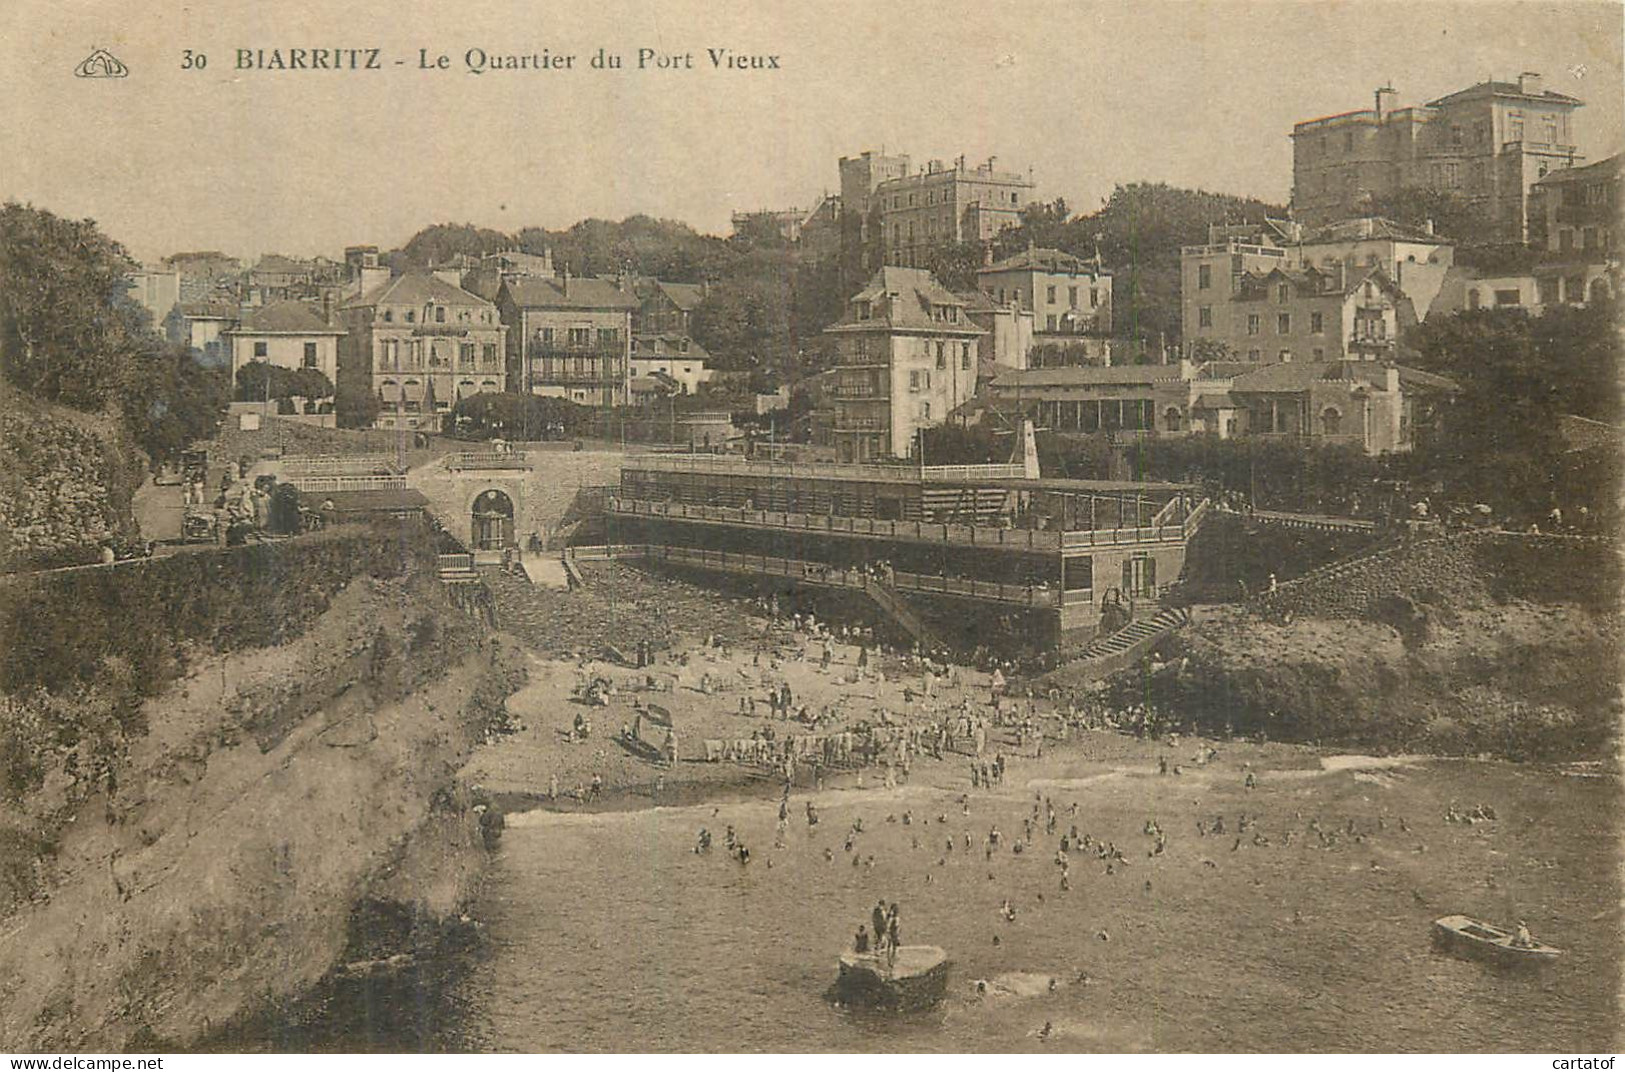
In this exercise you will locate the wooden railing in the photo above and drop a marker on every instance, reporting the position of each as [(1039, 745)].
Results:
[(488, 459), (919, 531), (340, 465), (824, 574), (396, 482)]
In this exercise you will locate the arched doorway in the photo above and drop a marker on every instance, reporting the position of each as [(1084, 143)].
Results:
[(1172, 419), (493, 521), (1331, 421)]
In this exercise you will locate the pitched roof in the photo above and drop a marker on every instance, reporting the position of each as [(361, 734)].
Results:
[(583, 292), (1078, 375), (208, 310), (1502, 89), (902, 299), (1292, 377), (1369, 227), (286, 318), (977, 302), (1606, 168), (1038, 259), (415, 288), (686, 296), (658, 346)]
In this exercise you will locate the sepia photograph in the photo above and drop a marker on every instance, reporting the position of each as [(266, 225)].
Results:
[(822, 528)]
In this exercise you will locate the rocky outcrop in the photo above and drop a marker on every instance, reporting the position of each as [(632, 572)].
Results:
[(1460, 569), (273, 793)]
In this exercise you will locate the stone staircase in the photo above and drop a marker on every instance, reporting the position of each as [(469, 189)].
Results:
[(1108, 654), (892, 602)]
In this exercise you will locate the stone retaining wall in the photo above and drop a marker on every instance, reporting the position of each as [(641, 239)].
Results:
[(1464, 568)]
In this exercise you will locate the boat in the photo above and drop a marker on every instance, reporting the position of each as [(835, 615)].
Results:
[(916, 978), (1470, 937)]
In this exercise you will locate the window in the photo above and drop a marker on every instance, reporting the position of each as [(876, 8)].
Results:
[(942, 354), (411, 316), (1317, 324), (1546, 288), (1574, 289), (1255, 324), (465, 355), (1204, 277), (1286, 356), (1049, 322), (1001, 295), (1320, 353), (310, 355), (1283, 324), (1283, 293), (964, 355), (261, 349), (1204, 316), (609, 336), (389, 316), (1094, 297), (1072, 292), (1472, 299), (1331, 421), (1049, 295), (925, 411), (581, 336), (1508, 297), (489, 354), (547, 336), (913, 379), (440, 314)]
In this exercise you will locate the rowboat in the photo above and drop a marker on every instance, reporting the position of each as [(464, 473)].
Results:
[(916, 978), (1470, 937)]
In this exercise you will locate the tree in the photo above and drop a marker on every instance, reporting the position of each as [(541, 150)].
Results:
[(258, 381), (67, 325), (355, 404), (70, 333), (954, 264), (506, 415)]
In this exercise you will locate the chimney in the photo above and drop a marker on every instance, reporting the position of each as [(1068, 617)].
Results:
[(1427, 226), (327, 306), (1385, 100), (1529, 84)]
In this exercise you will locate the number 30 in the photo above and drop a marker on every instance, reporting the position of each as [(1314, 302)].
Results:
[(193, 61)]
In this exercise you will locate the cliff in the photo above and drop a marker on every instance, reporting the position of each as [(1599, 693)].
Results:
[(215, 863)]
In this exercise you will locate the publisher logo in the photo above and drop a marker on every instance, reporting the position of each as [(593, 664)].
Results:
[(101, 64)]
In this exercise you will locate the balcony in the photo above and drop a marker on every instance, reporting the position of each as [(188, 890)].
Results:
[(861, 424), (1547, 147), (844, 391), (538, 348)]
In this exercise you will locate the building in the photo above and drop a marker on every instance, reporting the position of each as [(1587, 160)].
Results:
[(1489, 143), (860, 176), (202, 326), (570, 337), (1008, 343), (783, 224), (966, 556), (677, 357), (906, 356), (1374, 407), (1416, 261), (157, 290), (1264, 303), (426, 344), (942, 205), (290, 335), (1579, 209), (1066, 294), (666, 308), (821, 231)]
